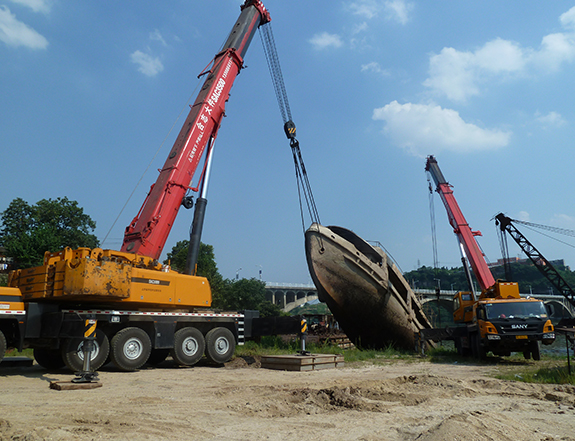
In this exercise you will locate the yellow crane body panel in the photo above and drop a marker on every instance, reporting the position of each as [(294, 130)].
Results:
[(106, 277)]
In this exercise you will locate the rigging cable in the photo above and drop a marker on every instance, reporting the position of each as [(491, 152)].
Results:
[(302, 180), (504, 253), (432, 215), (564, 231)]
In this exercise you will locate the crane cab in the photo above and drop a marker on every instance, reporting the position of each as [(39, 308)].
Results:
[(463, 302)]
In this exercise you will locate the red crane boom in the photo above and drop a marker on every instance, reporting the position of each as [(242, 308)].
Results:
[(460, 226), (147, 233)]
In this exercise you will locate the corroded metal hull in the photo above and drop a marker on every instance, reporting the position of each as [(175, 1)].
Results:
[(364, 290)]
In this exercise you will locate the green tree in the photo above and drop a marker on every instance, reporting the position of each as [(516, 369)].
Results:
[(28, 231), (268, 309), (231, 295), (206, 263), (526, 274), (238, 295)]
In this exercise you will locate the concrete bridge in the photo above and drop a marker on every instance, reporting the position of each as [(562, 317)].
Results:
[(290, 295), (557, 304)]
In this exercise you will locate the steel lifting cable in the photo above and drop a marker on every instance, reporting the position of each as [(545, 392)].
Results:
[(432, 216), (273, 61), (504, 252), (564, 231), (303, 184)]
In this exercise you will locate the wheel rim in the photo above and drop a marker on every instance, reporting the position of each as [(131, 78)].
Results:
[(95, 351), (222, 345), (190, 346), (133, 349)]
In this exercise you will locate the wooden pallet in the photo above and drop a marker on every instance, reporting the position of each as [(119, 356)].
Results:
[(69, 385), (298, 362)]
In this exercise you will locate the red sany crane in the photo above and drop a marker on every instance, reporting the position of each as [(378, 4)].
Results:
[(460, 226), (499, 320), (147, 233)]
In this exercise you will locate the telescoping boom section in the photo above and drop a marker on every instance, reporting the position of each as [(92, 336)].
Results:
[(460, 226), (147, 233)]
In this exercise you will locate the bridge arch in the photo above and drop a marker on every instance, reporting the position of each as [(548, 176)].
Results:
[(558, 310), (289, 296)]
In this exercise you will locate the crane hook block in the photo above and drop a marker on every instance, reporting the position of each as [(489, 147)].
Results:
[(289, 128)]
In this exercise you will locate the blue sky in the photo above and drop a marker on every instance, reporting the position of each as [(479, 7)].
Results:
[(90, 91)]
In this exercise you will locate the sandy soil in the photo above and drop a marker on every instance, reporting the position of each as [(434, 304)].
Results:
[(399, 401)]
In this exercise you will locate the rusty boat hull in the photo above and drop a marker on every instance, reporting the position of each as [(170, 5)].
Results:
[(363, 288)]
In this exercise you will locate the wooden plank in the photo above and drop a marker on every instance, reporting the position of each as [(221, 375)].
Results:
[(302, 362), (69, 385)]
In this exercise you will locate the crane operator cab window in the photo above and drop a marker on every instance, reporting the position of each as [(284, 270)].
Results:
[(516, 310)]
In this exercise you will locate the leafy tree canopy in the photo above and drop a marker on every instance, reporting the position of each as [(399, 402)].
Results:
[(240, 294), (206, 263), (28, 231), (231, 295), (526, 274)]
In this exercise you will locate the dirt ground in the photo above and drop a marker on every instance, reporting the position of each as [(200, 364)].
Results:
[(241, 401)]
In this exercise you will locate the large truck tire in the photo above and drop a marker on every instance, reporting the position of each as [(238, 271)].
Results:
[(73, 354), (50, 359), (189, 346), (478, 350), (220, 345), (130, 349), (2, 346)]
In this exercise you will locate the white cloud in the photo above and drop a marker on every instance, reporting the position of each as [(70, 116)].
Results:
[(42, 6), (552, 119), (567, 19), (157, 36), (398, 10), (451, 75), (459, 75), (563, 221), (523, 216), (422, 129), (15, 33), (374, 67), (365, 8), (325, 40), (148, 65), (358, 28)]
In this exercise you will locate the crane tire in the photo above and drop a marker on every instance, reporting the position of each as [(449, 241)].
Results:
[(130, 349), (73, 355), (189, 346), (50, 359), (220, 345)]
